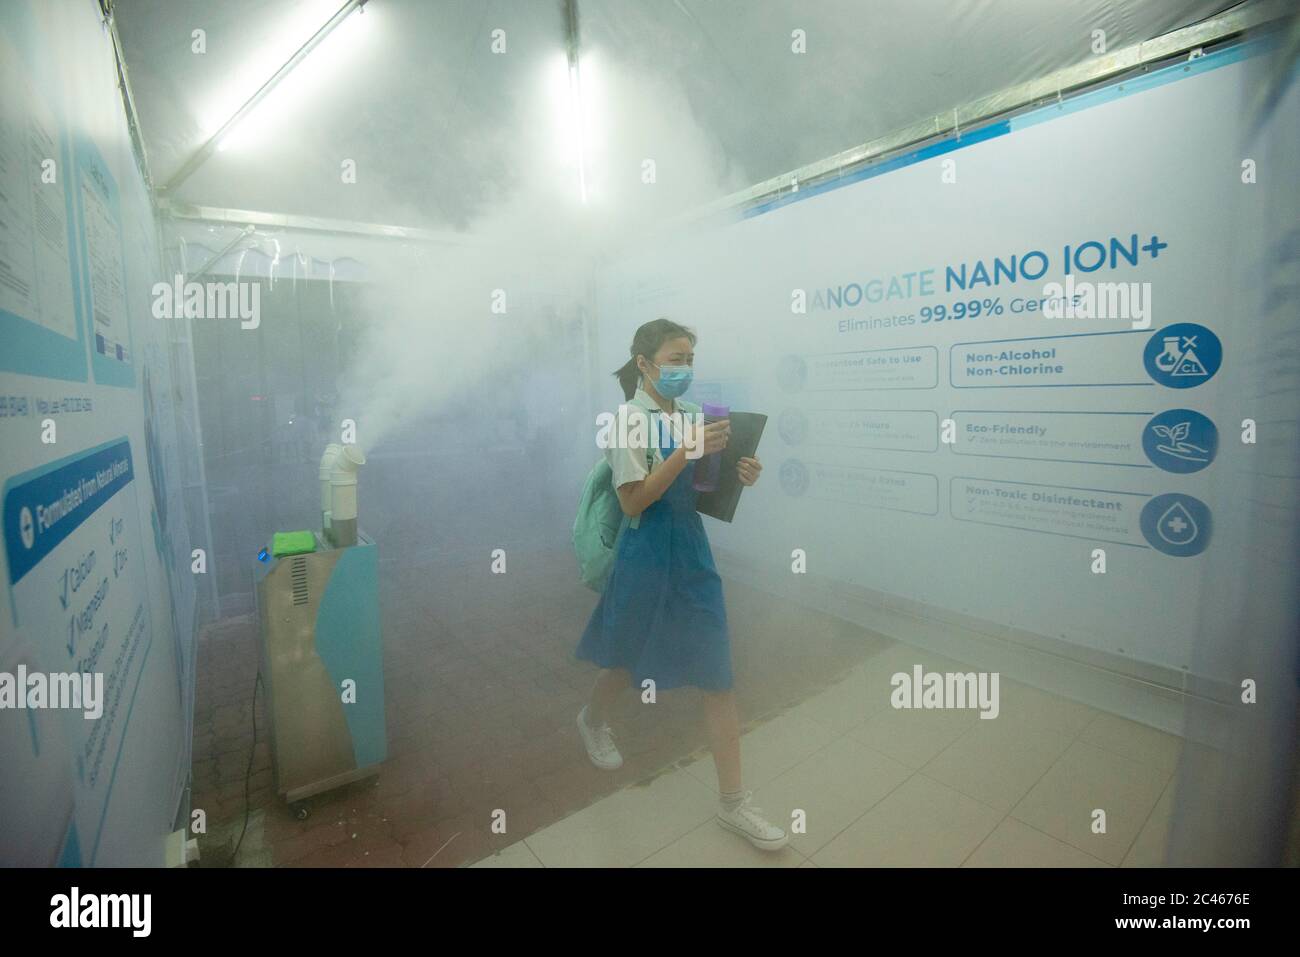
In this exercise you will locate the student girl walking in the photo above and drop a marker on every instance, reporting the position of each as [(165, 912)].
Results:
[(661, 615)]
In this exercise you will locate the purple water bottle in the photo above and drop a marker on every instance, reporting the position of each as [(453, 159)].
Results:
[(708, 468)]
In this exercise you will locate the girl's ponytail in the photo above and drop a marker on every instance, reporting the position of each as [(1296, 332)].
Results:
[(627, 376)]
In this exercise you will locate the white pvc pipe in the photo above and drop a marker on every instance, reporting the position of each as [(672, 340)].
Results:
[(343, 495), (326, 470)]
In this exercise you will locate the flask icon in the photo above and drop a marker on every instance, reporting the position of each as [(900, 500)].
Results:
[(1168, 360), (1183, 355)]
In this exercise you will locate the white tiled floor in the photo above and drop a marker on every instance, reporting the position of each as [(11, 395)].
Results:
[(883, 787)]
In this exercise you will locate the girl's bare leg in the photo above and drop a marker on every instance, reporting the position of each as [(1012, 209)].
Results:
[(609, 683), (723, 722)]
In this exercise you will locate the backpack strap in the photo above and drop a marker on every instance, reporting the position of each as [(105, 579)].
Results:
[(635, 521), (649, 451)]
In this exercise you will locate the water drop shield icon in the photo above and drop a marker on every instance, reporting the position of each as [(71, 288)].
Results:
[(1176, 524)]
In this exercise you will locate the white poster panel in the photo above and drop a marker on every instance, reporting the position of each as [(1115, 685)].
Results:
[(94, 553), (992, 365)]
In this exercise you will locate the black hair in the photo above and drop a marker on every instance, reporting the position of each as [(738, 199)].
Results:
[(646, 343)]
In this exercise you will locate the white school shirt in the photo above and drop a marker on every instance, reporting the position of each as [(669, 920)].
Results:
[(627, 460)]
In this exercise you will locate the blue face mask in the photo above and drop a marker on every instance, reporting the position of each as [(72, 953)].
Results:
[(674, 380)]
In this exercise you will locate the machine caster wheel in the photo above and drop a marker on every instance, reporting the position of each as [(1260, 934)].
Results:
[(301, 810)]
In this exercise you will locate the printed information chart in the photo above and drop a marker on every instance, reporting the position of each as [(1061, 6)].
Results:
[(876, 488), (1089, 359), (1181, 356), (1101, 438), (1177, 440), (904, 430), (76, 583), (1173, 523), (35, 274), (106, 271), (915, 368)]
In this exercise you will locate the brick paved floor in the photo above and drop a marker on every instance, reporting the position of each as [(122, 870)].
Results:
[(481, 693)]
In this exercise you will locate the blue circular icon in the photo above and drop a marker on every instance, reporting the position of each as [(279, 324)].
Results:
[(793, 426), (792, 373), (794, 477), (1183, 355), (26, 527), (1176, 524), (1180, 440)]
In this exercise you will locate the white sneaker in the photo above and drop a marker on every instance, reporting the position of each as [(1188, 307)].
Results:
[(600, 744), (748, 821)]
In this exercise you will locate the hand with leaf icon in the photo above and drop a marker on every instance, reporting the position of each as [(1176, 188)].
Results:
[(1177, 445)]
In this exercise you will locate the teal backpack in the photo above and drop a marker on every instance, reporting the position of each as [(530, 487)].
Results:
[(600, 516)]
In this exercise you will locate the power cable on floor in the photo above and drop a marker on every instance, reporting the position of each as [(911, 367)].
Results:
[(248, 774)]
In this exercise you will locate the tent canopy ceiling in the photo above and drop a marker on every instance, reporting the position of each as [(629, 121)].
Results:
[(438, 123)]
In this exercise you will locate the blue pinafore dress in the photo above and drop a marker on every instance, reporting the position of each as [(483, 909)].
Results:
[(661, 615)]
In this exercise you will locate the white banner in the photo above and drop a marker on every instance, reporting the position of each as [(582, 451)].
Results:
[(1000, 372), (95, 552)]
